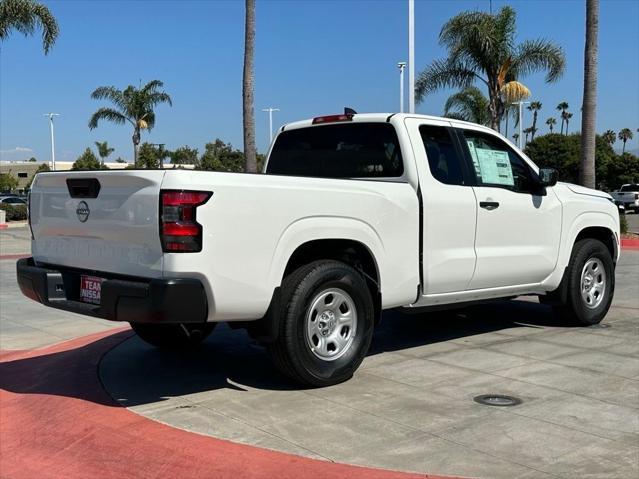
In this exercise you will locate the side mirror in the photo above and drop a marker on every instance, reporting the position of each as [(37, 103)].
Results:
[(548, 176)]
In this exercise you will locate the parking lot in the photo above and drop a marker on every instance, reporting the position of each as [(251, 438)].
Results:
[(411, 405)]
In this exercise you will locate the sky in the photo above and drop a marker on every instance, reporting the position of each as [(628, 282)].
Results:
[(313, 57)]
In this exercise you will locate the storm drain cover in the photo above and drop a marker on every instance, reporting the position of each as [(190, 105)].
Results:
[(497, 400)]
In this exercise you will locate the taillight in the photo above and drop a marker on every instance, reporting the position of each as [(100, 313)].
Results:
[(332, 118), (179, 230)]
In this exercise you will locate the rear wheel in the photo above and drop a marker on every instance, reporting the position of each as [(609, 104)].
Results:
[(591, 283), (326, 323), (180, 336)]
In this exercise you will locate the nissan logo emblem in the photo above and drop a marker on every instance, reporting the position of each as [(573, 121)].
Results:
[(83, 211)]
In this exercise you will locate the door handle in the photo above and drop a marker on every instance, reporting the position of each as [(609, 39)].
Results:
[(489, 205)]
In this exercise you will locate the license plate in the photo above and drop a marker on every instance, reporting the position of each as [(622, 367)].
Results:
[(90, 288)]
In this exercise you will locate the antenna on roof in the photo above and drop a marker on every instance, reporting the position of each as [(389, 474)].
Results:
[(349, 111)]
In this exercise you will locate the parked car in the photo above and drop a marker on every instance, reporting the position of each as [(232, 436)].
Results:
[(355, 214), (628, 196), (12, 200)]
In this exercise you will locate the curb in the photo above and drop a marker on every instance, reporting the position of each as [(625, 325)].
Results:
[(629, 243), (14, 224)]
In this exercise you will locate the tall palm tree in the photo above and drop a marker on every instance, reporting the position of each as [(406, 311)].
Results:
[(103, 150), (468, 105), (624, 135), (25, 16), (562, 108), (515, 137), (566, 116), (481, 46), (133, 105), (534, 106), (551, 122), (609, 137), (250, 157), (589, 105)]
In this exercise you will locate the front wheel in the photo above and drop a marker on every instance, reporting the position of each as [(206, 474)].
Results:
[(326, 323), (591, 283), (181, 336)]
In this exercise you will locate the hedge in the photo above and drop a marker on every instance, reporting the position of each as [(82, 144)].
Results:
[(14, 212)]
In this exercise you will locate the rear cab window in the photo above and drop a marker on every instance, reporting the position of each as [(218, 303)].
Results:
[(344, 150), (630, 188)]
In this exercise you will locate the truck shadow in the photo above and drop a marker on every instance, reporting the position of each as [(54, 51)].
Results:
[(136, 374)]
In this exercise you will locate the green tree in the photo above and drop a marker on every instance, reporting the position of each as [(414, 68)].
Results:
[(610, 137), (7, 182), (468, 105), (562, 108), (88, 161), (33, 159), (516, 137), (149, 157), (527, 132), (220, 156), (248, 86), (185, 156), (132, 105), (482, 47), (534, 106), (119, 160), (27, 16), (103, 150), (589, 105), (624, 135), (551, 122)]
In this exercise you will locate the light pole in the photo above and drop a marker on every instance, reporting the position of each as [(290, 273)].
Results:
[(521, 112), (51, 115), (411, 56), (270, 111), (401, 66)]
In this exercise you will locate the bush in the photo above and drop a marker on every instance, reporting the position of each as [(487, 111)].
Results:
[(15, 212), (623, 224)]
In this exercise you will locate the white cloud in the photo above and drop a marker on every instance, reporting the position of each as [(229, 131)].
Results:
[(17, 153)]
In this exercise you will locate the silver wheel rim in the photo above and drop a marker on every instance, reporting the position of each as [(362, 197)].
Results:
[(593, 283), (331, 324)]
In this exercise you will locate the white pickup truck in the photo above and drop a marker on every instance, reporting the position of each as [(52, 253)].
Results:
[(354, 214), (628, 196)]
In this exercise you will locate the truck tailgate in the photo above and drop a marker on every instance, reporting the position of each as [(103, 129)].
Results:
[(98, 220)]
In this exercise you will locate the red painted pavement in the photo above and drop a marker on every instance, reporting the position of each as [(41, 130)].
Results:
[(629, 243), (56, 421)]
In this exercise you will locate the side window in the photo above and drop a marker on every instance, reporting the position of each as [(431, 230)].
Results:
[(443, 160), (496, 164)]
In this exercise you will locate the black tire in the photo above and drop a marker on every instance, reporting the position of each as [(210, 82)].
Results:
[(291, 352), (576, 309), (179, 337)]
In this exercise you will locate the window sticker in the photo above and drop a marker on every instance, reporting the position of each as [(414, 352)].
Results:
[(495, 167), (473, 154)]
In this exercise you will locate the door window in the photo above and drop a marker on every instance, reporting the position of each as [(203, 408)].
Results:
[(443, 159), (496, 164)]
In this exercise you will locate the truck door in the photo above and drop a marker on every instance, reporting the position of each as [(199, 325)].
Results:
[(518, 226), (449, 208)]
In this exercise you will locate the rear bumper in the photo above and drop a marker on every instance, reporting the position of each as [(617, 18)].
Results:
[(164, 300)]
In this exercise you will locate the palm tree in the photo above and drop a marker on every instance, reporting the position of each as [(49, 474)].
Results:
[(534, 106), (609, 137), (527, 131), (566, 116), (551, 122), (481, 46), (250, 158), (562, 108), (468, 105), (133, 105), (589, 105), (103, 150), (624, 135), (25, 16), (515, 137)]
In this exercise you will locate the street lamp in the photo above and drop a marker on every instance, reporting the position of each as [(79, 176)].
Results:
[(521, 108), (270, 111), (51, 115), (401, 66)]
